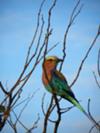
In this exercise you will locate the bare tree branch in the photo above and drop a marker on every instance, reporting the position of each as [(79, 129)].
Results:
[(93, 127), (97, 82), (91, 117), (73, 16), (37, 47), (34, 125), (47, 116), (85, 57), (35, 33), (21, 123), (3, 89), (59, 115), (98, 62), (12, 96), (48, 33)]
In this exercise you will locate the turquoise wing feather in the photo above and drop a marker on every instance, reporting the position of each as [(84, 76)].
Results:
[(59, 86)]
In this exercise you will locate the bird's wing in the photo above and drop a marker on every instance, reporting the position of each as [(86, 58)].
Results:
[(60, 85), (61, 88)]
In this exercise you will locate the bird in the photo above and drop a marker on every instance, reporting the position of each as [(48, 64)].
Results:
[(55, 82)]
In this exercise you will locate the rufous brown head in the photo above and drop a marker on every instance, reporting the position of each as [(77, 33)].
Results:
[(50, 62)]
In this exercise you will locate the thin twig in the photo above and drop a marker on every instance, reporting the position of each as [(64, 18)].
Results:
[(36, 30), (49, 31), (91, 117), (34, 125), (29, 49), (12, 125), (95, 77), (3, 89), (21, 123), (47, 116), (73, 16), (59, 115), (93, 127), (37, 47), (26, 99), (85, 57), (23, 109), (98, 63)]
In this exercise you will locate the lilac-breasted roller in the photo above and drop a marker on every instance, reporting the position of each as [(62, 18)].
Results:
[(55, 82)]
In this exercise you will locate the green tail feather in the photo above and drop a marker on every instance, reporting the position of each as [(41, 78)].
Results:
[(76, 103)]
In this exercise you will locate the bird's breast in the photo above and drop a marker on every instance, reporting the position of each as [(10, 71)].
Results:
[(46, 78)]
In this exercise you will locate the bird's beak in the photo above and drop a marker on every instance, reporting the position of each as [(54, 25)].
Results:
[(60, 60)]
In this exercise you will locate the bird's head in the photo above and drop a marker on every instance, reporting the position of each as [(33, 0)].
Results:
[(50, 62)]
